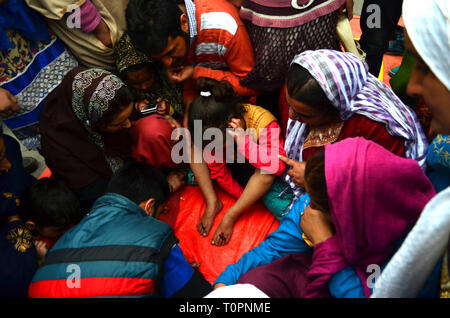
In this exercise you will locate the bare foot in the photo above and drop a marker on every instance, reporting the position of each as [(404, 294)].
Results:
[(224, 231), (207, 219)]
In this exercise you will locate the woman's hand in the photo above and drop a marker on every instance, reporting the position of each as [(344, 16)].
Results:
[(176, 179), (8, 103), (316, 225), (297, 173)]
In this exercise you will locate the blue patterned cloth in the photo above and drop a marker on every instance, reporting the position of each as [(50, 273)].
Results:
[(438, 160)]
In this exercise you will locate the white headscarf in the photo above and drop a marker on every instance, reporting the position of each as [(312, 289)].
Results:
[(428, 26)]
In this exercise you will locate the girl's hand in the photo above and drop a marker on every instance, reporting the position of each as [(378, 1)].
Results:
[(162, 106), (316, 225), (41, 249), (238, 129)]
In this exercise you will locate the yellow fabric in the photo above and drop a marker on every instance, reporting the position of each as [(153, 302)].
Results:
[(85, 46), (257, 118)]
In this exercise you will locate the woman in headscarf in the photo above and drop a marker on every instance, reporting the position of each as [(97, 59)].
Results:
[(427, 38), (363, 200), (84, 126), (332, 97)]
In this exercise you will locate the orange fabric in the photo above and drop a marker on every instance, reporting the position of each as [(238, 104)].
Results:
[(251, 228)]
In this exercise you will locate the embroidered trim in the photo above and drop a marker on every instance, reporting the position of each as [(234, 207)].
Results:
[(318, 137)]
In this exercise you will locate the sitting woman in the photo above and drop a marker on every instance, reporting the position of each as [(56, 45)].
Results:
[(247, 173), (332, 97), (363, 201), (84, 126)]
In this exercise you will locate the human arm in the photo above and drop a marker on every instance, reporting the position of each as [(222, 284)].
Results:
[(264, 154), (8, 103), (287, 239)]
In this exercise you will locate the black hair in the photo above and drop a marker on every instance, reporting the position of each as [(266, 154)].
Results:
[(150, 23), (124, 97), (139, 182), (315, 181), (302, 86), (216, 110), (49, 202)]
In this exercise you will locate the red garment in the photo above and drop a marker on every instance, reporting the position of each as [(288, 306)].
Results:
[(151, 142), (270, 143), (222, 49), (361, 126)]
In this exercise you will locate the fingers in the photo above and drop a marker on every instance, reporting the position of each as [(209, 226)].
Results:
[(286, 160)]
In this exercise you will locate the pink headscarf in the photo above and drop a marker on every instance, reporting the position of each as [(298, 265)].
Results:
[(375, 196)]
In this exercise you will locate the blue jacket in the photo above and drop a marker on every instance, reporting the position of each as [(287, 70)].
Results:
[(116, 250)]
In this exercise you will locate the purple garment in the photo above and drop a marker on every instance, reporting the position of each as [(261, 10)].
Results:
[(90, 18), (283, 278), (374, 196)]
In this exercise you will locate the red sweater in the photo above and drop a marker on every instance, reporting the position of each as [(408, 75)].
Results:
[(222, 49)]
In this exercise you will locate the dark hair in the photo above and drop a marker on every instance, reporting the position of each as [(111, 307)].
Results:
[(302, 86), (315, 181), (48, 202), (139, 182), (216, 110), (150, 23), (150, 66), (121, 101)]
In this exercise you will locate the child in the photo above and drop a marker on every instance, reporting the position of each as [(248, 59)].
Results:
[(218, 107), (48, 208), (146, 80)]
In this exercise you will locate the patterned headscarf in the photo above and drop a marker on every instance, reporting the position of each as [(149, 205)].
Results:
[(102, 87), (352, 90), (126, 55)]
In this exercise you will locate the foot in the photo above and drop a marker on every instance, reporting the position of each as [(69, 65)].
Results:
[(223, 233), (207, 219)]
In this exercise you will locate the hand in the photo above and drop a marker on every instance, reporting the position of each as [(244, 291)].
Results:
[(297, 173), (349, 7), (238, 129), (141, 104), (103, 34), (8, 103), (180, 74), (218, 285), (176, 179), (162, 106), (316, 225), (41, 249)]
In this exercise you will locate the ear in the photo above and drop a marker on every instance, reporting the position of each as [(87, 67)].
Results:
[(184, 23), (148, 206), (30, 225)]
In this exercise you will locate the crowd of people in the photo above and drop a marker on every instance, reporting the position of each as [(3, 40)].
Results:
[(267, 104)]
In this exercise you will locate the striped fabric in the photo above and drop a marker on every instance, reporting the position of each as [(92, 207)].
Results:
[(352, 90), (190, 11), (286, 13)]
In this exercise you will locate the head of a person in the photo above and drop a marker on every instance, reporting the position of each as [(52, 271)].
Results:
[(5, 165), (160, 29), (309, 103), (49, 208), (142, 184), (428, 39), (140, 77), (101, 101), (315, 182), (215, 106)]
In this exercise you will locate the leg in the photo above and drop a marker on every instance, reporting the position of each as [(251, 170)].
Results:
[(375, 38), (213, 203), (257, 186)]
